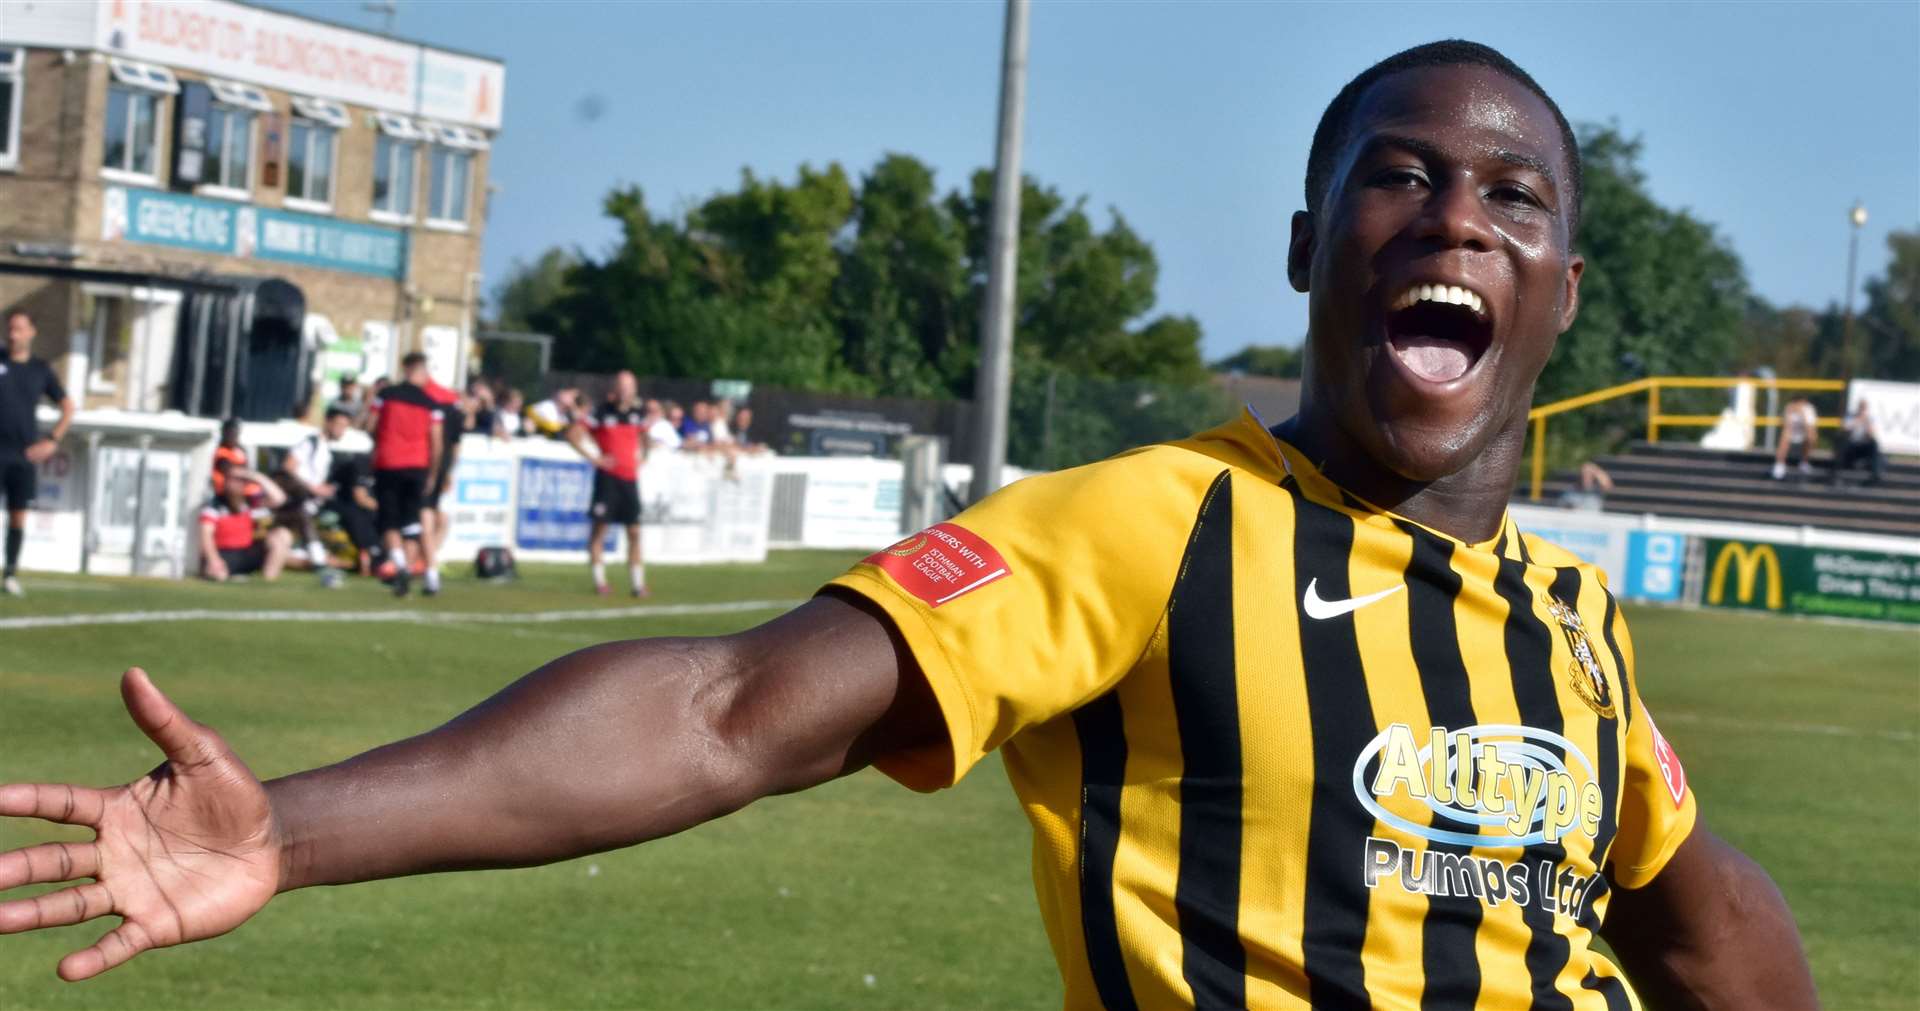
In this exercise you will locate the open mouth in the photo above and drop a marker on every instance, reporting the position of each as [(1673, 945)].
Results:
[(1439, 331)]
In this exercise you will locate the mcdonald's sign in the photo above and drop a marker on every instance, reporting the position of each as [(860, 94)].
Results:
[(1797, 579), (1743, 561)]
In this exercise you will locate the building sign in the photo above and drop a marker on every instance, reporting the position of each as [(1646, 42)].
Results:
[(295, 54), (245, 231), (1792, 579)]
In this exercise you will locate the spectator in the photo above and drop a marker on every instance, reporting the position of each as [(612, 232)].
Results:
[(232, 452), (696, 429), (554, 417), (353, 503), (508, 418), (230, 540), (663, 432), (352, 399), (1798, 421), (1860, 440), (743, 428), (484, 415), (720, 433), (304, 476)]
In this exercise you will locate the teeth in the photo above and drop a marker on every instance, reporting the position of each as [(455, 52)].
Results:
[(1445, 293)]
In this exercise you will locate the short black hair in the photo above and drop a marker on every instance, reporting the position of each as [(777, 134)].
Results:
[(413, 358), (1331, 135), (338, 412)]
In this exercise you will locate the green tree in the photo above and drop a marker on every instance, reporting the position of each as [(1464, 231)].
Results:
[(1887, 332), (1663, 294), (877, 288), (1264, 360), (523, 301)]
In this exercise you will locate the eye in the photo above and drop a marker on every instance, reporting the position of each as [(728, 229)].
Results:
[(1515, 193), (1400, 178)]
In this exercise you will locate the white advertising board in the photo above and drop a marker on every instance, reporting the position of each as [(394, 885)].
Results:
[(1895, 408)]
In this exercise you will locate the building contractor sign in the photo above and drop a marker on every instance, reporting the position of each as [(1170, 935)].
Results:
[(304, 57), (248, 232)]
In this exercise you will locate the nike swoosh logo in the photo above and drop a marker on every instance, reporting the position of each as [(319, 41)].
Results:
[(1320, 609)]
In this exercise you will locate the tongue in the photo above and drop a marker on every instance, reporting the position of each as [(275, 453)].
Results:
[(1434, 359)]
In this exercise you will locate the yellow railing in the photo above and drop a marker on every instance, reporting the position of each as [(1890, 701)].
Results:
[(1651, 386)]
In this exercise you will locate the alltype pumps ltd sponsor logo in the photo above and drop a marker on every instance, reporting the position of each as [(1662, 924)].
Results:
[(1490, 785)]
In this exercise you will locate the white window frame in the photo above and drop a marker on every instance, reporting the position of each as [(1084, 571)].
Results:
[(433, 219), (399, 130), (313, 127), (138, 79), (13, 70), (236, 99)]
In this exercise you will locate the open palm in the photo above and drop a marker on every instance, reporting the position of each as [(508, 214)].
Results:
[(185, 853)]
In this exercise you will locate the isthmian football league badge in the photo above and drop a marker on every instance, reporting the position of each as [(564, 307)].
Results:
[(1585, 676)]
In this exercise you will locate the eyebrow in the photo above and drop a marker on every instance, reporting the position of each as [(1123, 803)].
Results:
[(1432, 152)]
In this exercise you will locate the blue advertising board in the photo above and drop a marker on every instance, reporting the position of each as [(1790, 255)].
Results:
[(1655, 565), (554, 498), (242, 230)]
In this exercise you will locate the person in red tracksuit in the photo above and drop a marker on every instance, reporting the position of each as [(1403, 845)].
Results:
[(433, 519), (408, 442), (618, 430)]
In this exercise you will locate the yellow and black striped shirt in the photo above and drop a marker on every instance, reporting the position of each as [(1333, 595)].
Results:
[(1281, 748)]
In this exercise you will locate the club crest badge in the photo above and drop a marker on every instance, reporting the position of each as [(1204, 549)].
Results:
[(1585, 675)]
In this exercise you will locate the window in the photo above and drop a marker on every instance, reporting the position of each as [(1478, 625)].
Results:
[(229, 167), (447, 186), (310, 148), (132, 148), (13, 63), (395, 151), (111, 336), (450, 172)]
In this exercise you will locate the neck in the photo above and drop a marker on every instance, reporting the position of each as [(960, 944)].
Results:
[(19, 352), (1468, 504)]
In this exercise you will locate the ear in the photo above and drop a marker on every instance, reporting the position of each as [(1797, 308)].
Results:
[(1300, 252), (1576, 265)]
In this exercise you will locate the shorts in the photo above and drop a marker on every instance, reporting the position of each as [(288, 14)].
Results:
[(616, 500), (401, 493), (442, 483), (244, 561), (19, 483)]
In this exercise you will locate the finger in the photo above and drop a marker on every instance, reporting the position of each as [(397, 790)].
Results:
[(55, 802), (183, 740), (113, 948), (38, 865), (56, 909)]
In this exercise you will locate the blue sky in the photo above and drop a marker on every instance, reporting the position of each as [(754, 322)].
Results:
[(1767, 120)]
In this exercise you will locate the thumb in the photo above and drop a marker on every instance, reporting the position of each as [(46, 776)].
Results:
[(181, 739)]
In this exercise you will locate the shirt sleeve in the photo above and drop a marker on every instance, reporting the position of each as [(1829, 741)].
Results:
[(1657, 809), (1035, 601), (55, 391)]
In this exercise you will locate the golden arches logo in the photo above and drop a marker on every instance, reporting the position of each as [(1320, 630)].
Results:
[(1746, 560)]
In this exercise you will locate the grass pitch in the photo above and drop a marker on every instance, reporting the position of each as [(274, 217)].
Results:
[(1799, 739)]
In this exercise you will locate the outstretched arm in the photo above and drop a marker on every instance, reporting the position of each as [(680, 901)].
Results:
[(1710, 932), (602, 748)]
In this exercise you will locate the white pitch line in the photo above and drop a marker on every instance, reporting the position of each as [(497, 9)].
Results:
[(396, 617), (1821, 729)]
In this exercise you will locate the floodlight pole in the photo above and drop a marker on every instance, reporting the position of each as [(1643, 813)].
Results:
[(992, 383)]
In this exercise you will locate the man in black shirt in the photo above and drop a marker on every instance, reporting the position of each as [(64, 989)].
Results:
[(23, 381)]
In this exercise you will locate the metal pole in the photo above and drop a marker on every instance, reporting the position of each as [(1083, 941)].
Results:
[(1846, 327), (139, 559), (1858, 217), (996, 343)]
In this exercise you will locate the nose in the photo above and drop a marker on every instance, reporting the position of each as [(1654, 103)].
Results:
[(1455, 217)]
